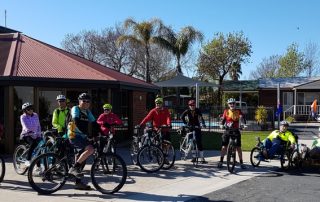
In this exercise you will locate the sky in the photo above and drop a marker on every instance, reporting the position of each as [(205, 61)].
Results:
[(270, 25)]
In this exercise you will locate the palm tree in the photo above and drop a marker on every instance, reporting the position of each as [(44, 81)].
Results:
[(235, 71), (142, 34), (178, 43)]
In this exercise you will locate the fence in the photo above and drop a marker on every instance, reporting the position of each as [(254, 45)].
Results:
[(211, 117)]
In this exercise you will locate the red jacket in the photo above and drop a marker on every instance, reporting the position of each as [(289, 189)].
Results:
[(110, 119), (158, 117)]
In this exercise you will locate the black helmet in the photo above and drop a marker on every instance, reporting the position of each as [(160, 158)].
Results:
[(84, 96)]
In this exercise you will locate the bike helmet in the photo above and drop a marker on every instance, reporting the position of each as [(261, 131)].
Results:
[(158, 100), (192, 102), (61, 97), (284, 123), (231, 100), (107, 106), (84, 96), (26, 105)]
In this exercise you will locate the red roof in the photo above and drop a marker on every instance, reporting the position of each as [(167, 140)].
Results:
[(22, 56)]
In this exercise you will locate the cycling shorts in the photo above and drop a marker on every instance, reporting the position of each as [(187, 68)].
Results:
[(226, 136)]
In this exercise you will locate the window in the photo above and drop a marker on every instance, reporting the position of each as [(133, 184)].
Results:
[(300, 98)]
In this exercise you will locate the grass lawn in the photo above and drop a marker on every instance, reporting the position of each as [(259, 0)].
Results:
[(212, 140)]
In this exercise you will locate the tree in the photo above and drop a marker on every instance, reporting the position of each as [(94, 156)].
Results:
[(218, 57), (310, 60), (82, 44), (235, 71), (142, 34), (292, 63), (178, 43), (268, 68)]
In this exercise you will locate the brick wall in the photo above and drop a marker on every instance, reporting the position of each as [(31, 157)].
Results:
[(139, 106)]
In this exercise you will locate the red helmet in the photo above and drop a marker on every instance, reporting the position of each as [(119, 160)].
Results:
[(192, 102)]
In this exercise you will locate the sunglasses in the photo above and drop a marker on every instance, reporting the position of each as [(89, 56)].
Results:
[(158, 103), (29, 109), (86, 101), (106, 109), (192, 105), (231, 103), (61, 100)]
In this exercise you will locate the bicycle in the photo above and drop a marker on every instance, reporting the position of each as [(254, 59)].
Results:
[(188, 143), (231, 149), (21, 152), (166, 146), (108, 171), (257, 154), (144, 153)]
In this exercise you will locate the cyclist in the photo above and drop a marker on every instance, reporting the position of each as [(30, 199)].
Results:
[(108, 118), (78, 135), (231, 118), (31, 129), (59, 115), (277, 138), (160, 116), (194, 115)]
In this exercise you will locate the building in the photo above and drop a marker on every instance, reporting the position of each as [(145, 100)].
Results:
[(36, 72)]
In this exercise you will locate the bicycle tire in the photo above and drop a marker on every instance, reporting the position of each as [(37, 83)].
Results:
[(170, 155), (254, 156), (2, 168), (150, 158), (231, 158), (19, 160), (196, 154), (296, 159), (53, 173), (285, 161), (134, 150), (108, 173)]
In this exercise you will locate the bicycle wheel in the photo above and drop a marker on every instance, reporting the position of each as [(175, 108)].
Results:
[(150, 158), (19, 158), (195, 154), (169, 154), (231, 157), (2, 168), (296, 159), (108, 173), (285, 161), (47, 173), (134, 149), (255, 156)]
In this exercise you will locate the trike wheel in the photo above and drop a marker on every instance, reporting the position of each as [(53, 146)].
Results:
[(255, 156)]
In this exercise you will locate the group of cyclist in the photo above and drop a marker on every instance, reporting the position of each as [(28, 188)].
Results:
[(77, 129)]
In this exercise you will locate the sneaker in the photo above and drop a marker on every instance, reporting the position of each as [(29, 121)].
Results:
[(37, 172), (27, 163), (82, 186), (75, 172), (219, 164), (193, 160), (203, 161), (242, 166)]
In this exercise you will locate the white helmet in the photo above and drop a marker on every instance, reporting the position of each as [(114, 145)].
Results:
[(231, 100), (26, 105), (61, 97), (284, 123)]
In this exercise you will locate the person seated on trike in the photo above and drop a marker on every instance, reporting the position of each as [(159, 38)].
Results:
[(274, 142)]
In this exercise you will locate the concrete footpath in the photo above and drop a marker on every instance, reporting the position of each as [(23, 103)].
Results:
[(181, 183)]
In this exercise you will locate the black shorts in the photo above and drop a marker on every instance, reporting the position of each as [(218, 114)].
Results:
[(226, 136)]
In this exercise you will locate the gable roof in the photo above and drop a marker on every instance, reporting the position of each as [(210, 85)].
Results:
[(24, 57), (309, 85)]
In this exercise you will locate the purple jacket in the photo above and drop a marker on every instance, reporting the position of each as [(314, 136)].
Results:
[(30, 125)]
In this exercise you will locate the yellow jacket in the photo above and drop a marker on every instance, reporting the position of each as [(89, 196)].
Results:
[(286, 136)]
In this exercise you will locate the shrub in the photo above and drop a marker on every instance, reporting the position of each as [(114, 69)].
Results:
[(261, 115)]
